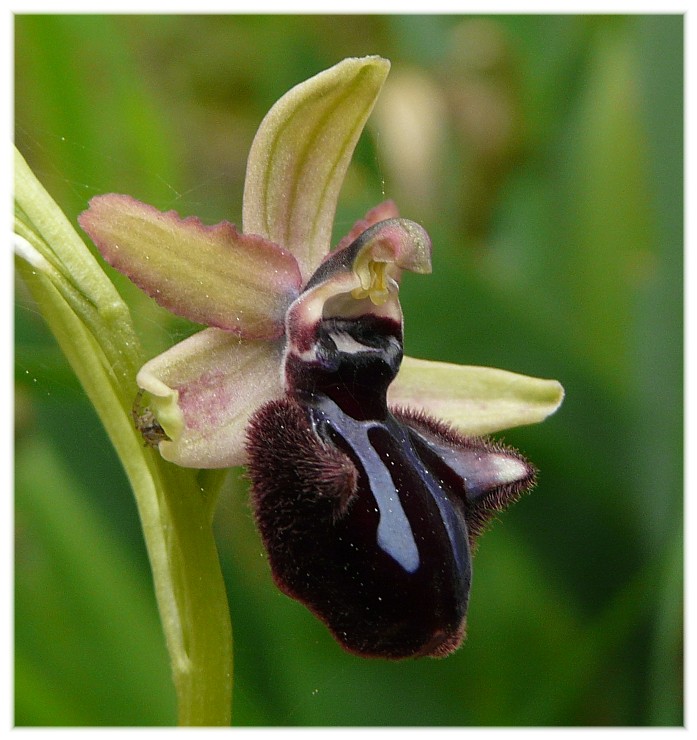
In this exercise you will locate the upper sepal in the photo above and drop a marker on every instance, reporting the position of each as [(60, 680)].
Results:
[(301, 152)]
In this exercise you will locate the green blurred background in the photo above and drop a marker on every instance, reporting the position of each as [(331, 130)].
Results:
[(544, 156)]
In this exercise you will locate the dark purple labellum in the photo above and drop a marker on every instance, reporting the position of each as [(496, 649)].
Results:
[(369, 514)]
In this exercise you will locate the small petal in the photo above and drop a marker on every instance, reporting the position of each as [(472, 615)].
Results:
[(382, 212), (475, 400), (203, 392), (210, 274), (301, 153)]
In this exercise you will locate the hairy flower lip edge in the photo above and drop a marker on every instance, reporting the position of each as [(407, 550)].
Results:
[(498, 474)]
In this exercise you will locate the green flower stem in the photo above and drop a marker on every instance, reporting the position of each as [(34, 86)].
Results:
[(94, 329)]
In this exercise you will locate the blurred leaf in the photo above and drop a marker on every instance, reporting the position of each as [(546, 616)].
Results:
[(78, 593), (93, 327), (612, 221)]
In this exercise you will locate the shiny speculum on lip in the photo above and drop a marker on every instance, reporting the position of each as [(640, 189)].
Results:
[(359, 530), (368, 514)]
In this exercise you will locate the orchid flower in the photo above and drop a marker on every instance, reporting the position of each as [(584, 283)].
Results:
[(370, 482)]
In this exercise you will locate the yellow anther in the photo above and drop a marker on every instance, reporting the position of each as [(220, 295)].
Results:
[(374, 282)]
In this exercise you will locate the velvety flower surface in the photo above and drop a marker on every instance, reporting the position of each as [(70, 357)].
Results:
[(368, 488)]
